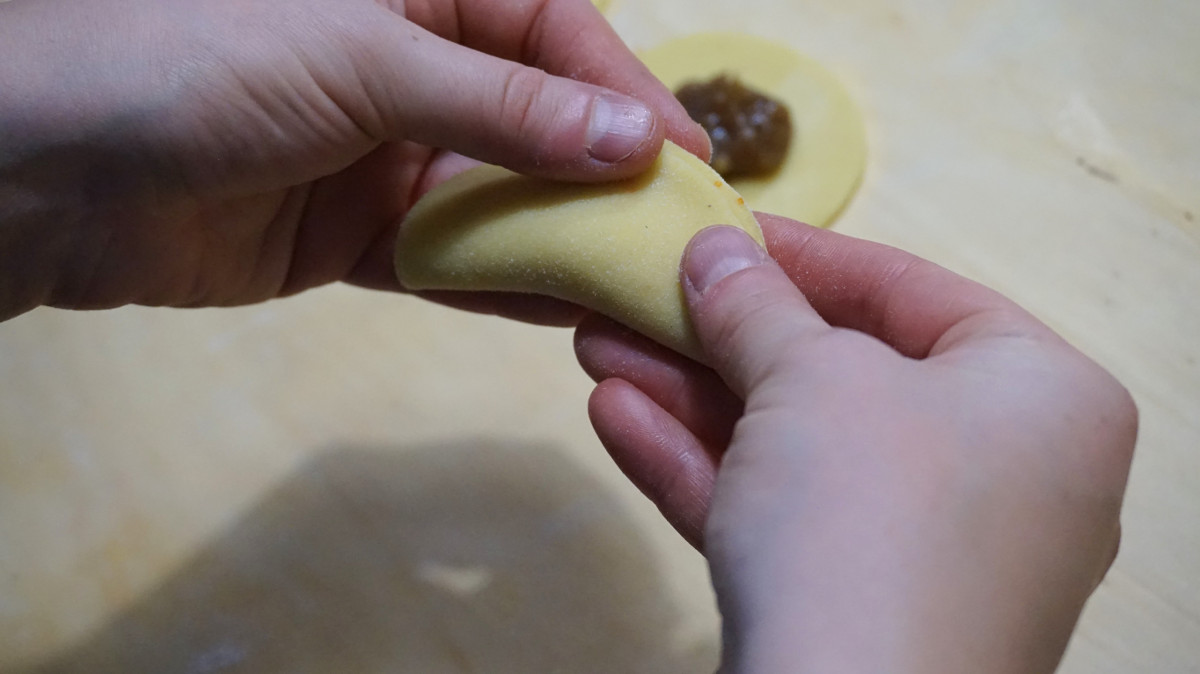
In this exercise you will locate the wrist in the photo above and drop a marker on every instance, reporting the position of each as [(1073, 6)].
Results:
[(28, 210), (864, 626), (64, 157)]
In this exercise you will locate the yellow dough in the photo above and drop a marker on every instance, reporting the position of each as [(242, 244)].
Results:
[(825, 163), (614, 247)]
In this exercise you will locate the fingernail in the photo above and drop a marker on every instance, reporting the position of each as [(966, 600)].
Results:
[(717, 252), (617, 128)]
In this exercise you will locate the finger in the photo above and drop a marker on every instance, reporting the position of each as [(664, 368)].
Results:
[(751, 320), (666, 462), (349, 221), (569, 38), (915, 306), (438, 93), (527, 308), (365, 196), (375, 271), (353, 215), (442, 167), (688, 391)]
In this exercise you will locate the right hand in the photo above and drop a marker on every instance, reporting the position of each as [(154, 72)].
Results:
[(924, 478)]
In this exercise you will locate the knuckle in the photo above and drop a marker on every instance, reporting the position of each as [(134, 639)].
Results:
[(1103, 419), (1122, 414), (747, 315), (677, 490), (1126, 410), (759, 336), (520, 101), (1114, 413)]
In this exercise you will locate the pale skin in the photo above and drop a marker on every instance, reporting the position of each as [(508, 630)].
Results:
[(933, 484), (890, 467), (182, 153)]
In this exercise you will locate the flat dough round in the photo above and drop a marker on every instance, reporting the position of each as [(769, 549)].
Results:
[(828, 154), (612, 247)]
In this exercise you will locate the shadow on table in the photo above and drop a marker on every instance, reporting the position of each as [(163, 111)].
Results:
[(473, 557)]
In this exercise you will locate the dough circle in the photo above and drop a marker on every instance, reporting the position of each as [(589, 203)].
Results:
[(825, 163), (614, 248)]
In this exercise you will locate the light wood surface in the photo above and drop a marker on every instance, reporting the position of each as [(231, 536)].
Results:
[(352, 481)]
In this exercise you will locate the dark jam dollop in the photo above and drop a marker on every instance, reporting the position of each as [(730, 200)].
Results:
[(750, 131)]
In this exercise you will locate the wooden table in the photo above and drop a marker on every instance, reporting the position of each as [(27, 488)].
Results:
[(353, 481)]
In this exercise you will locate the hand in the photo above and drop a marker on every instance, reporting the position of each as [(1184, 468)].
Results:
[(169, 152), (924, 478)]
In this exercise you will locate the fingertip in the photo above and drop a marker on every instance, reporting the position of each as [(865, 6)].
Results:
[(716, 253), (595, 342), (678, 127), (606, 396), (523, 307), (687, 134), (443, 166), (697, 141), (706, 149)]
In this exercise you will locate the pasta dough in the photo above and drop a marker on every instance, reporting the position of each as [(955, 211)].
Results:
[(828, 150), (612, 247)]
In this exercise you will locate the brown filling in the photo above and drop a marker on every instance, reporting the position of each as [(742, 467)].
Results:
[(750, 132)]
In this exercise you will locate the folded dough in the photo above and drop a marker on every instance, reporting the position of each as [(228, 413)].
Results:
[(613, 247)]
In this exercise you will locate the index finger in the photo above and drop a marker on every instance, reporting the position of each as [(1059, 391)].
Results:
[(568, 38), (913, 305)]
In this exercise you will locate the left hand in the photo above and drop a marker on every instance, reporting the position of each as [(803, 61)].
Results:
[(169, 152)]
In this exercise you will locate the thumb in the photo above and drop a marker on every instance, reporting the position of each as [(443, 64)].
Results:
[(443, 94), (750, 318)]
